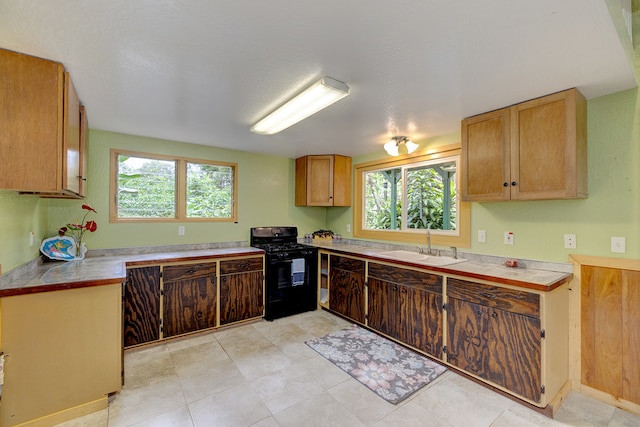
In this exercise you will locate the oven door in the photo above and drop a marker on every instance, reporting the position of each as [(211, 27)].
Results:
[(291, 285)]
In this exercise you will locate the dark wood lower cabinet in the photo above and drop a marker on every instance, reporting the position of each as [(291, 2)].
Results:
[(188, 295), (142, 305), (407, 306), (346, 287), (495, 333), (241, 290), (241, 297), (188, 306)]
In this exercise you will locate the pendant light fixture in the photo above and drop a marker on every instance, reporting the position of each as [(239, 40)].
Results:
[(400, 145), (319, 95)]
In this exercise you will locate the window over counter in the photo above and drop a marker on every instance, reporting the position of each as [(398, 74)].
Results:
[(151, 187), (399, 199)]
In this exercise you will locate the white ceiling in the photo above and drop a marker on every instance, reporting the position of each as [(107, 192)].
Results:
[(203, 71)]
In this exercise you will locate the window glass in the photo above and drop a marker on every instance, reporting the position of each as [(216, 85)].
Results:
[(146, 188), (209, 191), (411, 196)]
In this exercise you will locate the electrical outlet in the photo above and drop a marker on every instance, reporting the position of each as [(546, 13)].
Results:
[(32, 238), (508, 237), (570, 241), (348, 228), (181, 230), (618, 245), (482, 236)]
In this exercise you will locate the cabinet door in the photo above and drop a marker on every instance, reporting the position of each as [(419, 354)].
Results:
[(422, 319), (142, 306), (485, 169), (548, 137), (346, 294), (84, 148), (515, 353), (320, 180), (383, 307), (71, 167), (31, 100), (241, 296), (188, 306), (467, 346)]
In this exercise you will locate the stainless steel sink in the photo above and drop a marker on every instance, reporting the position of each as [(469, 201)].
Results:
[(417, 257)]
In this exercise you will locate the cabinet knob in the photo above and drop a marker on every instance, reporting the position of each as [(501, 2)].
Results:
[(505, 184), (494, 314), (513, 183)]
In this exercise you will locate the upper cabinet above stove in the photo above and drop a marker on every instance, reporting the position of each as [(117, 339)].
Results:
[(534, 150), (323, 181), (44, 128)]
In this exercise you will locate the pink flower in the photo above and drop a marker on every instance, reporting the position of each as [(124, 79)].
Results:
[(373, 375)]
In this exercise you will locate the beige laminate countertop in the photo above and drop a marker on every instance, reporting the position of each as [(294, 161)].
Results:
[(103, 270), (542, 280)]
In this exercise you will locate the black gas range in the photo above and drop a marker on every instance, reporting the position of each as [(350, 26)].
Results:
[(291, 271)]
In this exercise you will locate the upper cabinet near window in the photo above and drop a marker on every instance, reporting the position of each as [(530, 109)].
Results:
[(42, 143), (535, 150), (323, 181)]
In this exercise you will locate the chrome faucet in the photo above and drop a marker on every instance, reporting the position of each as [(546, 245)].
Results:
[(455, 252), (420, 249)]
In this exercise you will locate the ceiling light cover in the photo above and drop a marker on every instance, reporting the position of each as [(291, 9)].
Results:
[(400, 145), (319, 95)]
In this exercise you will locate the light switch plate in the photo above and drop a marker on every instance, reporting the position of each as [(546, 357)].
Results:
[(482, 236), (618, 244)]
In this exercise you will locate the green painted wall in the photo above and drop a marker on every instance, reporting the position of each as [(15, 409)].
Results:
[(266, 191), (612, 208), (20, 215)]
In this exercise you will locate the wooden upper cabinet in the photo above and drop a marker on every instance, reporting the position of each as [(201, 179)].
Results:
[(323, 181), (535, 150), (40, 124)]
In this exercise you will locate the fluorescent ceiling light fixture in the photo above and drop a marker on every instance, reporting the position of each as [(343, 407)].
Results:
[(400, 145), (319, 95)]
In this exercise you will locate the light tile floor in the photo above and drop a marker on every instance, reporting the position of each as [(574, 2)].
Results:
[(262, 374)]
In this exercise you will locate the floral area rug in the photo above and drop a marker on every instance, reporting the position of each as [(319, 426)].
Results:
[(388, 369)]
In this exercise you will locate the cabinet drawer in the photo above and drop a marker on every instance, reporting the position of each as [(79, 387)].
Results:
[(240, 265), (415, 279), (349, 264), (511, 300), (172, 273)]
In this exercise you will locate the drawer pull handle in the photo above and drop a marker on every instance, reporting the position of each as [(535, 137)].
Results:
[(494, 314), (487, 295)]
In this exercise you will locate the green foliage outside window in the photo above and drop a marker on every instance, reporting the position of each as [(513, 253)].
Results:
[(148, 188), (429, 196)]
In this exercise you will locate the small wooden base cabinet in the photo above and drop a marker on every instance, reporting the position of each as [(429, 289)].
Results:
[(63, 353), (172, 299), (512, 338)]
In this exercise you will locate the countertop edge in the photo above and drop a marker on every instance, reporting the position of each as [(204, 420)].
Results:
[(101, 270), (559, 279)]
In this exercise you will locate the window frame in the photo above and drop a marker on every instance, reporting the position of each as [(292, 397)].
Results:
[(181, 188), (459, 238)]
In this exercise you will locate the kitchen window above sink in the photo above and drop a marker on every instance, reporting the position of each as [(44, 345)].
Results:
[(399, 199)]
